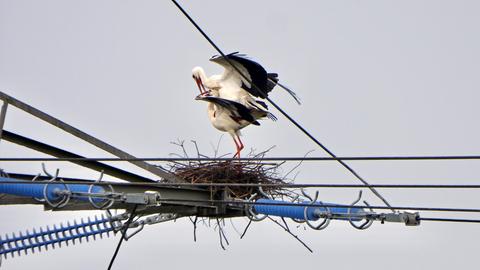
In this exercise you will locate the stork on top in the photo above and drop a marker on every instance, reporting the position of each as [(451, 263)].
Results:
[(233, 86), (231, 96)]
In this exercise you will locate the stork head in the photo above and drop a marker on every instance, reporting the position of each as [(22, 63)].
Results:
[(197, 75)]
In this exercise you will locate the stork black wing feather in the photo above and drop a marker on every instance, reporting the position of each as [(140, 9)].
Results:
[(258, 75), (238, 109), (264, 82)]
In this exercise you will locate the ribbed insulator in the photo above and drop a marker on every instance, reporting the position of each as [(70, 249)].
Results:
[(57, 235)]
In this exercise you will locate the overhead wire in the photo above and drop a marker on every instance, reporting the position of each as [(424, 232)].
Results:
[(278, 107), (289, 204), (286, 185), (332, 158), (124, 232), (177, 159), (318, 142), (297, 204), (460, 220)]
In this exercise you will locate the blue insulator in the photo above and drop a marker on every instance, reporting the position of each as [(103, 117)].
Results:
[(53, 236), (36, 190), (297, 210)]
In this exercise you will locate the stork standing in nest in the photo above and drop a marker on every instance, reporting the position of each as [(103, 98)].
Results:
[(232, 98), (230, 116)]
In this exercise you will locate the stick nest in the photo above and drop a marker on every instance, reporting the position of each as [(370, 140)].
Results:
[(232, 171)]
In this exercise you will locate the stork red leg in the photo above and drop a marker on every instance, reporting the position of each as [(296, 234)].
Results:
[(239, 146)]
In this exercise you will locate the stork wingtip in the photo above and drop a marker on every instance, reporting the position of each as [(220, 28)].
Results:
[(293, 94), (272, 117), (297, 99)]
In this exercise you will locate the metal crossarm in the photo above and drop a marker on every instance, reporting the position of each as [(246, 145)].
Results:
[(57, 152), (7, 99), (62, 195)]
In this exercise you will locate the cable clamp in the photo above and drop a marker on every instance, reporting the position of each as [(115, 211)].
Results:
[(147, 198), (410, 219)]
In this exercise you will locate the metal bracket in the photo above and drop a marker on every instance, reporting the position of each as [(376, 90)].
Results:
[(410, 219), (140, 224), (147, 198), (3, 114)]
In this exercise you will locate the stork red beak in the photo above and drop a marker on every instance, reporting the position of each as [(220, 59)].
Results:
[(200, 85)]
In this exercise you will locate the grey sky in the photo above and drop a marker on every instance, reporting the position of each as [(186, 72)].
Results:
[(375, 77)]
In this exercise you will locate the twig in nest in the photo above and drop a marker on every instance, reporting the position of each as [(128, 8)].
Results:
[(295, 236), (244, 172), (246, 229), (235, 172), (298, 165), (194, 222), (215, 149), (181, 144), (234, 227), (199, 155), (221, 235), (285, 223)]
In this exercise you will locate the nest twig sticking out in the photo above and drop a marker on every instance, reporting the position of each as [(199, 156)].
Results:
[(235, 171)]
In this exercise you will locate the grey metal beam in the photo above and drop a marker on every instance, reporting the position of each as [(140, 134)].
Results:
[(57, 152), (7, 199), (199, 206), (86, 137), (3, 114)]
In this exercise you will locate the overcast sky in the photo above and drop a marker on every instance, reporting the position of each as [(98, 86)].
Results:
[(375, 77)]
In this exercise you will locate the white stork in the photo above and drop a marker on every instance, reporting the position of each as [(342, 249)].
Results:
[(232, 104), (233, 86), (231, 116)]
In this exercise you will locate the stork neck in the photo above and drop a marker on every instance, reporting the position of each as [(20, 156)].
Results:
[(203, 76)]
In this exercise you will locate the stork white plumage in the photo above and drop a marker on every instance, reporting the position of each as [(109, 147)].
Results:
[(233, 86), (232, 97), (230, 116)]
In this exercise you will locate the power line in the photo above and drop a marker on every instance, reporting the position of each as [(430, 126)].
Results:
[(124, 232), (175, 159), (278, 107), (414, 208), (176, 185), (450, 220)]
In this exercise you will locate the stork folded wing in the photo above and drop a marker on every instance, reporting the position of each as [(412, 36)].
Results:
[(238, 110)]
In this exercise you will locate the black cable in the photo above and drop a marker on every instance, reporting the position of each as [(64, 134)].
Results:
[(330, 152), (178, 185), (415, 208), (353, 158), (127, 224), (291, 233), (278, 107), (450, 220)]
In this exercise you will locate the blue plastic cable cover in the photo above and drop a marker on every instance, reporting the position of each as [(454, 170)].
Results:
[(36, 190), (267, 207)]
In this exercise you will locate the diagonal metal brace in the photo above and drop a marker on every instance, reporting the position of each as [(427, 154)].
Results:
[(86, 137)]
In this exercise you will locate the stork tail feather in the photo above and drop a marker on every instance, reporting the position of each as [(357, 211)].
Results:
[(293, 94)]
